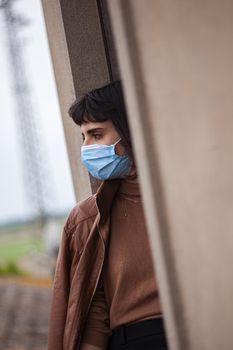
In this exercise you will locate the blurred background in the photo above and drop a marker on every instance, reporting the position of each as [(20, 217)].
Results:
[(36, 192)]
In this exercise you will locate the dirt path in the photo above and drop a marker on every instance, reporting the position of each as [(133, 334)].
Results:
[(24, 313)]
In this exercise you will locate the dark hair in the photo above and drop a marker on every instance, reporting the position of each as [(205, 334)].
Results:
[(102, 104)]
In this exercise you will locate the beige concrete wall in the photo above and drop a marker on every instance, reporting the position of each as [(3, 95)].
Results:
[(176, 60), (66, 93), (83, 58)]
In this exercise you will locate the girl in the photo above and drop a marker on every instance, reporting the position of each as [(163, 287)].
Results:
[(105, 292)]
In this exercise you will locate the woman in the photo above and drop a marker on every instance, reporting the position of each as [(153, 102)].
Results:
[(105, 292)]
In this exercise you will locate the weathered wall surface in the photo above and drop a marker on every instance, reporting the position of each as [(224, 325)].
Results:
[(83, 58), (176, 58)]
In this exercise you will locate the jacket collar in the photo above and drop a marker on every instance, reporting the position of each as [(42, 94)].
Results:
[(105, 196)]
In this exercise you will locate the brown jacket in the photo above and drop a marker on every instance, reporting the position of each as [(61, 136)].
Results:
[(79, 265)]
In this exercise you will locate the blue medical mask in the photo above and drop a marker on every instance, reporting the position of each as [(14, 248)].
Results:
[(103, 162)]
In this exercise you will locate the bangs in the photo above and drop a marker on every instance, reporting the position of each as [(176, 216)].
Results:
[(84, 111), (92, 118)]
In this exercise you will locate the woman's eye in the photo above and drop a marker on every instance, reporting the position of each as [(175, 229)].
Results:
[(97, 136)]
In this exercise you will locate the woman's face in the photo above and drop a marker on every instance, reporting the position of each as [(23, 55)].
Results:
[(103, 133)]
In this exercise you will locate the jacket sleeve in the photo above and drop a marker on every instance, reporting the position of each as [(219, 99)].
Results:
[(61, 288), (97, 328)]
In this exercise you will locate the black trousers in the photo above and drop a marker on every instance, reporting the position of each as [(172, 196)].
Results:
[(144, 335)]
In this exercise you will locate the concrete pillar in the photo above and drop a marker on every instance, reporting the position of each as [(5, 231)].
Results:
[(83, 58), (176, 60)]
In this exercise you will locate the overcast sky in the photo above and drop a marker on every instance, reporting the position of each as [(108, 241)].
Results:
[(13, 200)]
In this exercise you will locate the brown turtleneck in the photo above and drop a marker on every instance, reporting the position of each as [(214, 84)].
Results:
[(127, 291)]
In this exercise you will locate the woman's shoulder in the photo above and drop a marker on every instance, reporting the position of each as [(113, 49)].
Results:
[(83, 210)]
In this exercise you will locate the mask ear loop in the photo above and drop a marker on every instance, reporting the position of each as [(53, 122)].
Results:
[(116, 142), (114, 145)]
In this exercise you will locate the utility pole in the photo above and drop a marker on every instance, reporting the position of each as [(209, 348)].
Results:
[(36, 174)]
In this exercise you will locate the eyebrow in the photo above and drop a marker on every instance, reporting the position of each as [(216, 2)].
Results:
[(90, 131)]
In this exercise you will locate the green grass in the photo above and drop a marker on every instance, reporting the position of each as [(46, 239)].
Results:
[(11, 269), (12, 250)]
